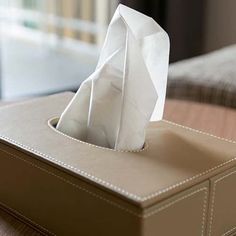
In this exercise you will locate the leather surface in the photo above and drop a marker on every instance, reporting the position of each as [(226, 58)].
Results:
[(183, 214), (60, 204), (175, 157), (67, 187), (222, 211)]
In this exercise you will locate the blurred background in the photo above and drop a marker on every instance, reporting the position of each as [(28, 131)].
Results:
[(48, 46)]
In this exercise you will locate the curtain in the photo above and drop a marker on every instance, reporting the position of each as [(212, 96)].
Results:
[(182, 19)]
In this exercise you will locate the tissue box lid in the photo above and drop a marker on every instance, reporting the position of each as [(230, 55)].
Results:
[(174, 158)]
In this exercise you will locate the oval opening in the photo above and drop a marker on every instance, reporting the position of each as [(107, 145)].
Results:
[(53, 123)]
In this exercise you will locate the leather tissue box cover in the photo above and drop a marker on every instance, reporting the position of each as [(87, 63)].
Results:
[(181, 183)]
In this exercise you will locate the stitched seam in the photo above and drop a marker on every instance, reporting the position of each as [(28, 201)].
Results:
[(104, 199), (204, 211), (173, 186), (26, 218), (108, 201), (186, 180), (229, 231), (81, 172), (173, 202), (122, 191), (200, 132), (182, 198), (213, 199), (73, 184)]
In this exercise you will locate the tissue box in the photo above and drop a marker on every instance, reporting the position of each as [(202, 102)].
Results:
[(181, 183)]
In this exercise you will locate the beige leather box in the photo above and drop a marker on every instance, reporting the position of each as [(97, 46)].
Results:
[(182, 183)]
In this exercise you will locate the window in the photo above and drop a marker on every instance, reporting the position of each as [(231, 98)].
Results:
[(50, 45)]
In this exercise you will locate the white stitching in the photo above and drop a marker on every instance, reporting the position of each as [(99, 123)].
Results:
[(204, 211), (118, 189), (81, 172), (73, 184), (213, 199), (182, 198), (108, 201), (200, 132), (171, 187), (186, 180), (229, 231), (173, 202), (26, 218)]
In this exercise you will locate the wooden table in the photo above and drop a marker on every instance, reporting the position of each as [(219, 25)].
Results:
[(216, 120)]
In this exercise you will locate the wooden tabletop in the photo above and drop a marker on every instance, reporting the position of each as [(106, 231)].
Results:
[(215, 120)]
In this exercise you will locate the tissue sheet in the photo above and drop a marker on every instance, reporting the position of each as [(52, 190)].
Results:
[(114, 105)]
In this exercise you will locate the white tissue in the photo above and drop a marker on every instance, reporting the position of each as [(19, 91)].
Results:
[(114, 105)]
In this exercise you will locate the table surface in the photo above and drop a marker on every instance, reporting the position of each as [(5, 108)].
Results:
[(215, 120)]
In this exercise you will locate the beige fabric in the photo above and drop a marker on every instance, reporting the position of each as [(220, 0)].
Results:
[(209, 78)]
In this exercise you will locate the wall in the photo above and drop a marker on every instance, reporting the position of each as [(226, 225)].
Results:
[(220, 29)]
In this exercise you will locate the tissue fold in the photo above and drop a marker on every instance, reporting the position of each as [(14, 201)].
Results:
[(114, 105)]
